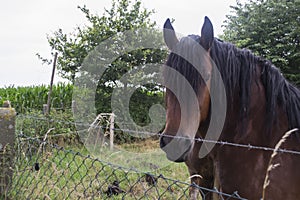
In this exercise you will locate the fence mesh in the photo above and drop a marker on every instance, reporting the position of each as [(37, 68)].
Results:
[(46, 171)]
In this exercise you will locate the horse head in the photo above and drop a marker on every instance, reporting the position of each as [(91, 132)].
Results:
[(187, 76)]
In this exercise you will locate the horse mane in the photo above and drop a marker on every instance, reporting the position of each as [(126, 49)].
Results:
[(238, 68)]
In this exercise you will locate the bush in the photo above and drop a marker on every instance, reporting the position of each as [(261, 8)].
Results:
[(59, 125)]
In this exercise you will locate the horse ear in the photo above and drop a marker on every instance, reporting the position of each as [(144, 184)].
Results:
[(169, 35), (207, 34)]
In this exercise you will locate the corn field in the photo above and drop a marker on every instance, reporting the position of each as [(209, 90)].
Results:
[(33, 97)]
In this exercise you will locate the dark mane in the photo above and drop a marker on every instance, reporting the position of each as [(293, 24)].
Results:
[(238, 67), (280, 92), (238, 70)]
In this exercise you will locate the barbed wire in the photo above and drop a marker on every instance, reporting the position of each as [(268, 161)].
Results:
[(150, 134), (222, 143)]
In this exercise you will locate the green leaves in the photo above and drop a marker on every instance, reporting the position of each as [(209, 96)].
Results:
[(123, 15), (269, 28)]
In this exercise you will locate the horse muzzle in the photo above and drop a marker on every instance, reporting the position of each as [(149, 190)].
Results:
[(176, 149)]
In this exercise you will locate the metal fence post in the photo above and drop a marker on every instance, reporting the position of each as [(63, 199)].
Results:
[(7, 140)]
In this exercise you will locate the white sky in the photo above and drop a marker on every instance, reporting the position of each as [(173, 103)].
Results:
[(25, 25)]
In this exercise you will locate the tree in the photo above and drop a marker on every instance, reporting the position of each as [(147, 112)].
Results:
[(76, 48), (271, 29)]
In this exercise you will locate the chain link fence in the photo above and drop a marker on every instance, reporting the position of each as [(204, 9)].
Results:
[(43, 169), (46, 171)]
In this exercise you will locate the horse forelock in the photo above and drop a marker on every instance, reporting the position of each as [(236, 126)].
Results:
[(186, 59)]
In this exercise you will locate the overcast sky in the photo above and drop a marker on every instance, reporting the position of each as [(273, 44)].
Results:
[(25, 25)]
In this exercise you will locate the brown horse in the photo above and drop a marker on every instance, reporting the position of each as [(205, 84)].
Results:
[(258, 107)]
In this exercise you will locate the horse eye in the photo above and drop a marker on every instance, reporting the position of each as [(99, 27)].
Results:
[(205, 76)]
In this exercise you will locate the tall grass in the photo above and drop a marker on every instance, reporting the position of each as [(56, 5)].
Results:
[(33, 97)]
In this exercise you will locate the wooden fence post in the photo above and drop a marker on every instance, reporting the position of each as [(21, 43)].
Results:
[(45, 109), (74, 107), (7, 140), (111, 131), (51, 84)]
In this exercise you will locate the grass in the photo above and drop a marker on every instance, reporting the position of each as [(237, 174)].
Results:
[(57, 173)]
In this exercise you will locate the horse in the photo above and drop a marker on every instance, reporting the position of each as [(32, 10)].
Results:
[(258, 108)]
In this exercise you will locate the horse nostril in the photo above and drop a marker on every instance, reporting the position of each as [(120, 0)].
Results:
[(162, 142)]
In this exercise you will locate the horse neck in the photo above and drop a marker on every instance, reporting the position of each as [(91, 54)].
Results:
[(252, 127)]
